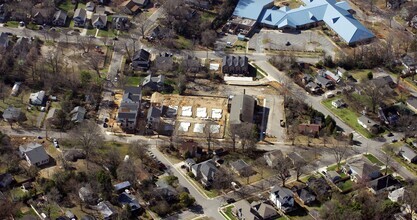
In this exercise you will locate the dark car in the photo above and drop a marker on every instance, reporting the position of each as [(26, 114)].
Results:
[(390, 134), (230, 200)]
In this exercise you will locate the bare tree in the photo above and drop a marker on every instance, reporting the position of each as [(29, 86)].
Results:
[(246, 135), (222, 179), (88, 136), (95, 62), (261, 164), (300, 168), (139, 150), (208, 37), (282, 168), (410, 196), (233, 135), (53, 197), (209, 130), (127, 171), (339, 152), (389, 150), (375, 94)]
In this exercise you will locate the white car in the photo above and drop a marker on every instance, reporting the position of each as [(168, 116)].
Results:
[(55, 142), (235, 185)]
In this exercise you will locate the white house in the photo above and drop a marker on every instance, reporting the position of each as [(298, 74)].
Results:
[(338, 103), (397, 195), (282, 198), (366, 122)]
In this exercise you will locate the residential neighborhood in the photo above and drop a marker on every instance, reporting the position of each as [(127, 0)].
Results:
[(199, 109)]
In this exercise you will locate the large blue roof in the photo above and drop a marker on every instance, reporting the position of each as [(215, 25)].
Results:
[(334, 14), (252, 9)]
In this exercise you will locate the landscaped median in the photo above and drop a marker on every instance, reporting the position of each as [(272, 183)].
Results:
[(348, 116), (227, 212)]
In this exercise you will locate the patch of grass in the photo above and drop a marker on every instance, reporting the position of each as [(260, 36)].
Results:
[(32, 26), (183, 43), (13, 24), (91, 32), (334, 167), (360, 75), (346, 185), (66, 6), (373, 159), (106, 33), (205, 16), (134, 80), (17, 193), (348, 116), (228, 213)]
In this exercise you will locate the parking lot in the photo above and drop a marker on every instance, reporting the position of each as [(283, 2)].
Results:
[(303, 41)]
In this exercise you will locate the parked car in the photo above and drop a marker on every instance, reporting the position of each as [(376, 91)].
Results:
[(55, 142), (235, 185), (230, 200)]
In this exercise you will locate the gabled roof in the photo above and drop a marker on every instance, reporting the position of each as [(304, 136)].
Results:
[(305, 195), (35, 152), (152, 79), (405, 151), (80, 13), (367, 121), (126, 199), (106, 209), (60, 15), (239, 165), (154, 112), (384, 182), (252, 9), (99, 19), (78, 114), (141, 55), (207, 168), (122, 185), (242, 109), (4, 38), (363, 168), (12, 113), (282, 192)]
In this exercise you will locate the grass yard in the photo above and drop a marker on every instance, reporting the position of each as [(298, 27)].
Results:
[(106, 33), (17, 193), (346, 185), (32, 26), (228, 213), (360, 75), (134, 80), (91, 32), (373, 159), (21, 101), (183, 43), (334, 166), (205, 16), (348, 116), (13, 24), (66, 6)]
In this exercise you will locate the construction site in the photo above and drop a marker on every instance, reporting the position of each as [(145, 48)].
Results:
[(192, 116)]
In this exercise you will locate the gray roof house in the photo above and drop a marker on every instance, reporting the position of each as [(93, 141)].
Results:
[(122, 186), (153, 117), (361, 169), (272, 157), (4, 39), (242, 168), (410, 64), (235, 65), (120, 22), (367, 123), (254, 211), (129, 200), (384, 183), (80, 16), (37, 98), (129, 108), (59, 19), (333, 176), (78, 114), (242, 109), (106, 210), (34, 153), (412, 103), (397, 195), (282, 198), (323, 82), (141, 60), (204, 172), (12, 114), (5, 180), (87, 195), (305, 196), (154, 83), (338, 103), (408, 154), (99, 21), (90, 6)]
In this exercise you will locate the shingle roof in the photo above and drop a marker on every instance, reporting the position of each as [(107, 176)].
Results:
[(408, 152), (35, 152), (60, 15), (239, 165), (384, 182), (12, 113), (81, 13), (141, 55), (125, 198), (242, 109)]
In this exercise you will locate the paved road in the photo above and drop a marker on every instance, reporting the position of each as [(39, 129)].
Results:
[(368, 145)]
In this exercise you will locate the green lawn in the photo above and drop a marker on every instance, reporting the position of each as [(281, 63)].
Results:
[(373, 159), (134, 80), (66, 6), (17, 193), (410, 166), (91, 32), (32, 26), (183, 43), (106, 33), (229, 213), (334, 167), (360, 75), (13, 24), (346, 185), (348, 116), (205, 16)]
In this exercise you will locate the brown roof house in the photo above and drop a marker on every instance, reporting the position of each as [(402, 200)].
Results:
[(133, 6), (361, 169), (309, 129)]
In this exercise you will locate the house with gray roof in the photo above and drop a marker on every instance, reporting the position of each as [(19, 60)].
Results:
[(272, 157), (128, 113), (77, 114), (397, 195), (323, 82), (34, 154), (106, 210), (410, 64), (235, 65), (336, 16), (4, 39), (412, 103), (242, 109), (129, 200), (87, 195), (80, 17), (205, 172), (59, 18), (384, 183), (305, 196), (282, 198), (408, 154), (154, 82), (99, 21), (12, 115), (141, 60), (154, 117), (120, 22), (254, 211), (241, 168), (90, 6), (37, 98), (361, 169), (5, 180)]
